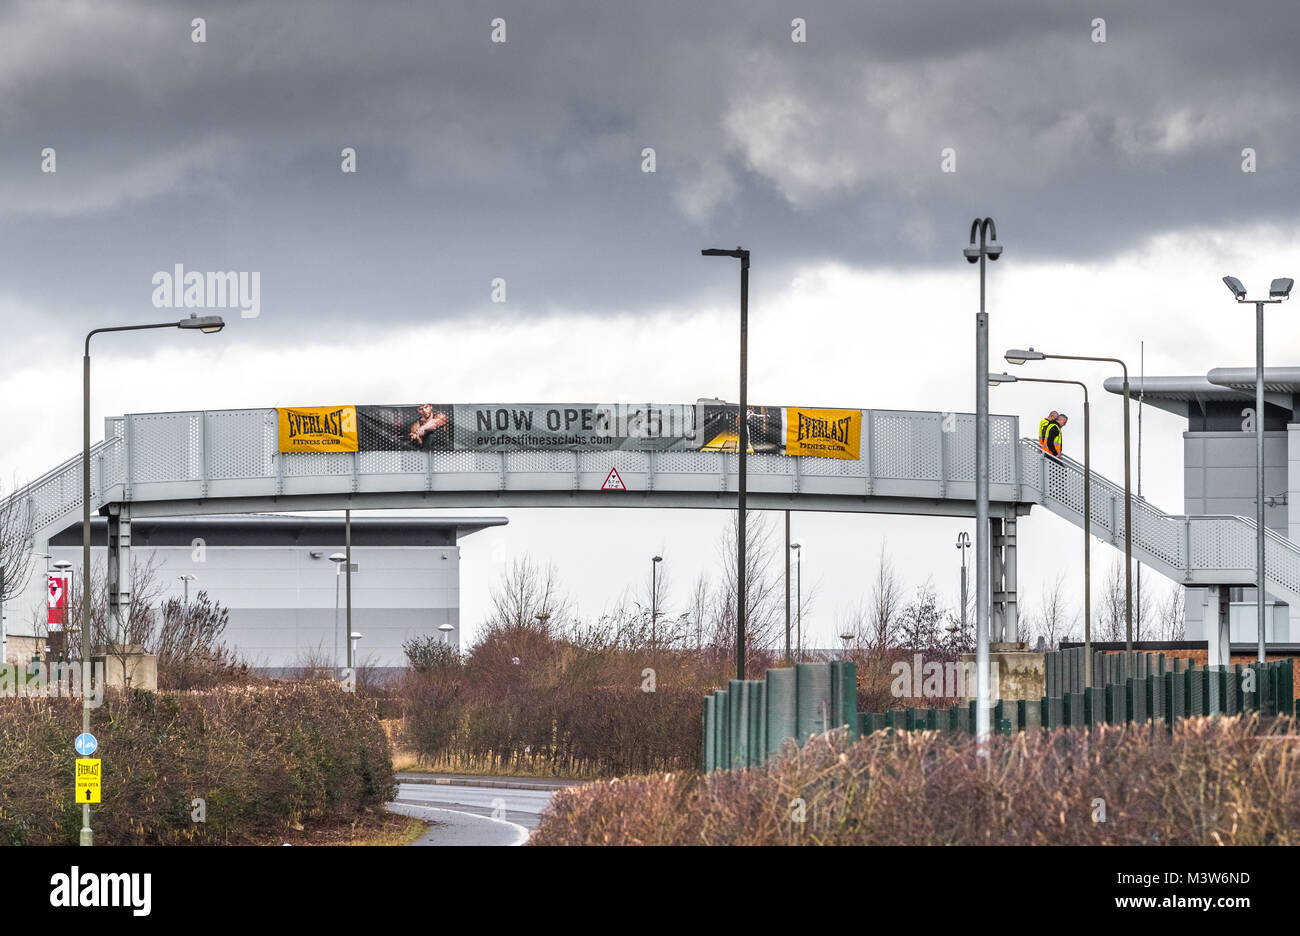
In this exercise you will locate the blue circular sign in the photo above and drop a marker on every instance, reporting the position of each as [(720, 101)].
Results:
[(86, 744)]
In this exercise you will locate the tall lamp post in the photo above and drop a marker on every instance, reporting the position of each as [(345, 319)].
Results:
[(787, 588), (1018, 356), (798, 598), (742, 445), (995, 379), (1278, 291), (963, 544), (338, 559), (988, 249), (654, 597), (208, 324)]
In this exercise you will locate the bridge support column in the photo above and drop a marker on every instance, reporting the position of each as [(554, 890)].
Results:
[(1217, 631), (1004, 622), (119, 574), (996, 616), (1010, 616)]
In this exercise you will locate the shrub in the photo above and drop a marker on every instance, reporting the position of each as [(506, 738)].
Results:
[(564, 708), (1216, 781), (264, 759)]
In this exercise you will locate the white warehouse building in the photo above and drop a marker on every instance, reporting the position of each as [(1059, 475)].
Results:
[(275, 575)]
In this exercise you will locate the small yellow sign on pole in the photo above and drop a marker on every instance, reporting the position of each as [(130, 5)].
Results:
[(87, 779)]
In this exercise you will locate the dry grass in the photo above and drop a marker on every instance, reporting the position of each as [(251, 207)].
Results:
[(1215, 781), (378, 827)]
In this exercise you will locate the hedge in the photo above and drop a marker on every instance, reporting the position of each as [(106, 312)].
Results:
[(259, 759)]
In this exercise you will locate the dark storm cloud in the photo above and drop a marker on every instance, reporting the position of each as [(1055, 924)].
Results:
[(523, 160)]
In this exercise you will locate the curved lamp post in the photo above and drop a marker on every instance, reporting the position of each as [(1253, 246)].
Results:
[(207, 324), (988, 249)]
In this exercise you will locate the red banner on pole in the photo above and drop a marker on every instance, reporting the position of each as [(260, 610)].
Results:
[(58, 601)]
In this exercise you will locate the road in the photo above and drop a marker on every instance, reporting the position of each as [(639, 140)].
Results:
[(471, 812)]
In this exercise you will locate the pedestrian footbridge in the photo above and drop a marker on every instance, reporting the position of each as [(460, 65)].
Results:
[(911, 462)]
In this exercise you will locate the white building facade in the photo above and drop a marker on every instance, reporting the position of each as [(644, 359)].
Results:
[(275, 575)]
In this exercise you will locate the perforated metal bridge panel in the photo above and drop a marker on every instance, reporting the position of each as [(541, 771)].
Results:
[(1194, 550), (228, 461)]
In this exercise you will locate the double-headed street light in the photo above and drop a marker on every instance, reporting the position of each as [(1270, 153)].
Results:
[(208, 324), (1087, 509), (1018, 356), (742, 445), (988, 248), (1278, 291), (963, 544)]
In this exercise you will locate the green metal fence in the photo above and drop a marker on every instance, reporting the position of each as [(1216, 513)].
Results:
[(747, 723)]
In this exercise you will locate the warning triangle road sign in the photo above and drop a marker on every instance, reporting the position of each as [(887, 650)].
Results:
[(613, 482)]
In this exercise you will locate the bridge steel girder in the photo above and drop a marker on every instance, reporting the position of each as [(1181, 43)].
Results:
[(670, 500)]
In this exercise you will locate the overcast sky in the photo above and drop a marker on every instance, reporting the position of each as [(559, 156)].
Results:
[(1113, 169)]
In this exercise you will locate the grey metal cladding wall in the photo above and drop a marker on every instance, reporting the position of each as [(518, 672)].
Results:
[(1219, 474), (278, 637)]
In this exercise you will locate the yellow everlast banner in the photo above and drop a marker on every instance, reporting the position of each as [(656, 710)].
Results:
[(318, 429), (827, 433)]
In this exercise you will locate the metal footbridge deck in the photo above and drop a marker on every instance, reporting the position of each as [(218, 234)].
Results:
[(912, 462)]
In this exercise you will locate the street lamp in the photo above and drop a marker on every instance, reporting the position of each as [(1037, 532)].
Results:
[(352, 652), (1087, 510), (798, 598), (787, 588), (1018, 356), (186, 579), (963, 544), (338, 559), (208, 324), (743, 445), (1278, 291), (654, 597), (446, 629), (989, 249)]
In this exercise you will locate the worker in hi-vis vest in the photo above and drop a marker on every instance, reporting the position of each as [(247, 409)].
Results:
[(1052, 442), (1042, 426)]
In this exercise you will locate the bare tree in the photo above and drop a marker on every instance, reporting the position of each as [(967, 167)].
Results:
[(1171, 616), (886, 603), (16, 531), (1112, 621), (529, 596), (188, 644), (141, 611), (920, 625), (1055, 620), (764, 592), (699, 610)]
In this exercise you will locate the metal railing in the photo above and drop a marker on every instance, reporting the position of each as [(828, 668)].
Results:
[(215, 454), (211, 455), (1198, 549)]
